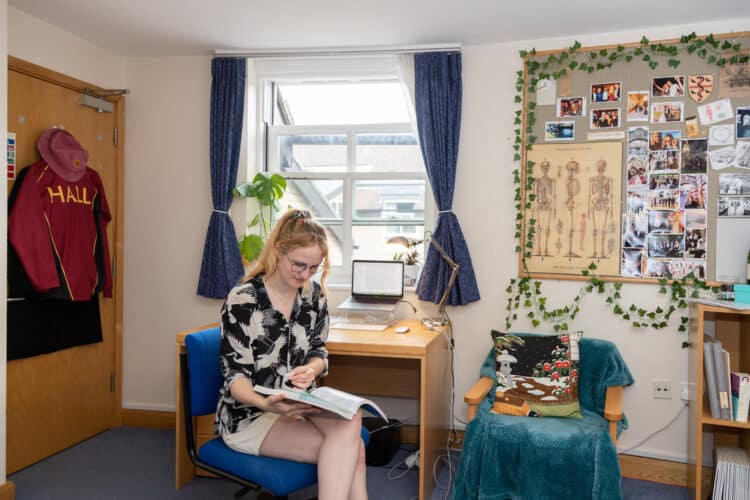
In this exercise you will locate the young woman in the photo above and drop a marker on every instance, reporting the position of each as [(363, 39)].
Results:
[(273, 331)]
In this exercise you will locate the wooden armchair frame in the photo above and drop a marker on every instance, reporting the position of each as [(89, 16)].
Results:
[(612, 402)]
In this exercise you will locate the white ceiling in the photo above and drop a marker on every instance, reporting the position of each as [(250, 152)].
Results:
[(186, 27)]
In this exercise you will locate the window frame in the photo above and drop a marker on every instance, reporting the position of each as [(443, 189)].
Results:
[(268, 162)]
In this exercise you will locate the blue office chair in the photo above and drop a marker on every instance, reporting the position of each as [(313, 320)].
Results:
[(201, 380)]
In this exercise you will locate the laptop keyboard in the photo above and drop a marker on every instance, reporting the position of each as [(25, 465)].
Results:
[(348, 325)]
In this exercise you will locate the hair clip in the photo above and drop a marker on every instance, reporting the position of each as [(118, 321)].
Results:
[(298, 214)]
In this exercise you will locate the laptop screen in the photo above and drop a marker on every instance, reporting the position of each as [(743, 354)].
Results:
[(377, 278)]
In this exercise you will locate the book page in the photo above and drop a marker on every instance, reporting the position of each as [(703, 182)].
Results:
[(348, 402)]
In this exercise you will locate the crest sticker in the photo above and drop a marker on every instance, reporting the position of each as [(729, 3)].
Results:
[(700, 87)]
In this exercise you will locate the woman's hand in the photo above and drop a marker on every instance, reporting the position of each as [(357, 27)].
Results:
[(301, 377), (278, 404)]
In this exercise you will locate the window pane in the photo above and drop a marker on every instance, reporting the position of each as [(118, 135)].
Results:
[(388, 153), (311, 153), (344, 103), (335, 249), (370, 242), (324, 198), (389, 200)]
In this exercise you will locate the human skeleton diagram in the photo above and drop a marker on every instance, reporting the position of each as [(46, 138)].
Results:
[(545, 208), (600, 207), (572, 188)]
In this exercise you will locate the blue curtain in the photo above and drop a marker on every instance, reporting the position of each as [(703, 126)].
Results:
[(222, 268), (437, 96)]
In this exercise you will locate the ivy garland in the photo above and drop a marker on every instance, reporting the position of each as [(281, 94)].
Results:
[(527, 293)]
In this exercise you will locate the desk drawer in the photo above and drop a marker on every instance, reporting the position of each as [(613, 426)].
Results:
[(372, 376)]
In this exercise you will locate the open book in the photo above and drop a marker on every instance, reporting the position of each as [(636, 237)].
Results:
[(338, 402)]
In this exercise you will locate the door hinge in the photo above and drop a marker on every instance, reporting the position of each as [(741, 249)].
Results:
[(114, 266), (114, 137), (112, 380)]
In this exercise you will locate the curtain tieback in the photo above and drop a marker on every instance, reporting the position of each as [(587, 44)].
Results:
[(225, 212), (449, 211)]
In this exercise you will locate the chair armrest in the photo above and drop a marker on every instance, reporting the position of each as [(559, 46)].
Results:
[(613, 409), (477, 393)]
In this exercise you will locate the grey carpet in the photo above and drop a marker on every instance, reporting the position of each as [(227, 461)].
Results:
[(132, 463)]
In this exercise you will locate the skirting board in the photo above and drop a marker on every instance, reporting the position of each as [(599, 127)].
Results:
[(632, 466), (7, 491)]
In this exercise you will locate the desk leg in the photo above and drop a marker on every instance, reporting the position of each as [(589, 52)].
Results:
[(184, 470), (434, 411)]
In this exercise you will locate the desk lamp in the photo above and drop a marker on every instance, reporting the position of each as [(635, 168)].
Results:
[(442, 318)]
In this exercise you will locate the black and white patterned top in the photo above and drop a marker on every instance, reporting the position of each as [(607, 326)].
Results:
[(258, 342)]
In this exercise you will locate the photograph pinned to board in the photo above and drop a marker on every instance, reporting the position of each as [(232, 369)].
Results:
[(721, 135), (743, 122), (637, 199), (734, 206), (637, 165), (721, 158), (700, 87), (668, 86), (606, 92), (664, 181), (666, 245), (661, 161), (571, 107), (632, 262), (692, 129), (605, 118), (696, 219), (695, 243), (693, 191), (638, 140), (663, 199), (666, 140), (734, 79), (638, 106), (734, 183), (742, 154), (715, 112), (666, 112), (656, 268), (680, 268), (694, 156), (635, 231), (559, 131)]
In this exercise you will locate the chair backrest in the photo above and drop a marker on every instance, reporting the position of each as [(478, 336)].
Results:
[(205, 370)]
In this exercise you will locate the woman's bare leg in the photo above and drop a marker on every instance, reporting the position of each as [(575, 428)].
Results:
[(333, 443)]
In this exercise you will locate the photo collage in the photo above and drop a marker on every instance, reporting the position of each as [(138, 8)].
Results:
[(668, 158)]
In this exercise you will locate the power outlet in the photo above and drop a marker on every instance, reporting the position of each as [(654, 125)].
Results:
[(661, 389)]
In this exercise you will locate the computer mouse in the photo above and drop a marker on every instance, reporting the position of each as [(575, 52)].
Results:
[(401, 329)]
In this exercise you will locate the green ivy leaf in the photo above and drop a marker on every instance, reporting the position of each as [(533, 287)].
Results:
[(535, 322)]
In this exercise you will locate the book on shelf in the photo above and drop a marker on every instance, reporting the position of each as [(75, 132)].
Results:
[(710, 374), (731, 474), (327, 398), (722, 380), (740, 396)]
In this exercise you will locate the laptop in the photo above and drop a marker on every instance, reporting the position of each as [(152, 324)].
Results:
[(376, 283)]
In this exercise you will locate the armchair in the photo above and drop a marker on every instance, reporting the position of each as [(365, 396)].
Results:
[(512, 457)]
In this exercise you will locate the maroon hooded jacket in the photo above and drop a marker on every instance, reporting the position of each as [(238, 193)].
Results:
[(59, 231)]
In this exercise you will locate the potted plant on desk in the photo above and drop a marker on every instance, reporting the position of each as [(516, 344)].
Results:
[(410, 258), (267, 191)]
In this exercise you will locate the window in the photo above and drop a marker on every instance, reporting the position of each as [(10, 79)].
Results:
[(350, 155)]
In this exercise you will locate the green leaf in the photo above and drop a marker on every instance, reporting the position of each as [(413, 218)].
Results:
[(653, 64), (535, 322), (251, 246), (644, 41), (523, 53)]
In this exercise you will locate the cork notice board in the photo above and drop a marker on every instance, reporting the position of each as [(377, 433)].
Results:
[(633, 165)]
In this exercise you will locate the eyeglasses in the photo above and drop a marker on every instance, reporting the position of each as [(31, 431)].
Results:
[(301, 267)]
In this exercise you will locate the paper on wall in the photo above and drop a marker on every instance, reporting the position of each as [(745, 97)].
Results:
[(716, 111), (721, 158)]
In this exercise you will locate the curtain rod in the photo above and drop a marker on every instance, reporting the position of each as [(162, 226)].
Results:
[(339, 51)]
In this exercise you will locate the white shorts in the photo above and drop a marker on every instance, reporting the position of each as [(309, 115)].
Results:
[(249, 438)]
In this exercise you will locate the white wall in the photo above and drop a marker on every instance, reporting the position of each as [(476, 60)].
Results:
[(3, 230), (484, 173), (168, 204)]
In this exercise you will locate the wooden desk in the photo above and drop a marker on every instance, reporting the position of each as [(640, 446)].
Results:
[(411, 365)]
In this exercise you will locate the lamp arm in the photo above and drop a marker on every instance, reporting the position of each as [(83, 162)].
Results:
[(454, 272)]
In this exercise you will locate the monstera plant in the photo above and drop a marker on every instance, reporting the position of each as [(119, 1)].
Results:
[(266, 191)]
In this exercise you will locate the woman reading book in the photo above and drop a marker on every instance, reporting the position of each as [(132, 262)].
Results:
[(273, 331)]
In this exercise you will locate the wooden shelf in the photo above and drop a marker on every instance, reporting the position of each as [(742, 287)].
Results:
[(731, 326)]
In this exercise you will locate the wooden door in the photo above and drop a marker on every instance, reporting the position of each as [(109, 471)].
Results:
[(59, 399)]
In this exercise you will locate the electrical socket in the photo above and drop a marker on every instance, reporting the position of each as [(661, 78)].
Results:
[(661, 389)]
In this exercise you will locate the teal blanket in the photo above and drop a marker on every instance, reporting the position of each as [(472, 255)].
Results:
[(525, 458)]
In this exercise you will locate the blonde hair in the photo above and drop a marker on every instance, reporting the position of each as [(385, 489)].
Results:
[(295, 229)]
